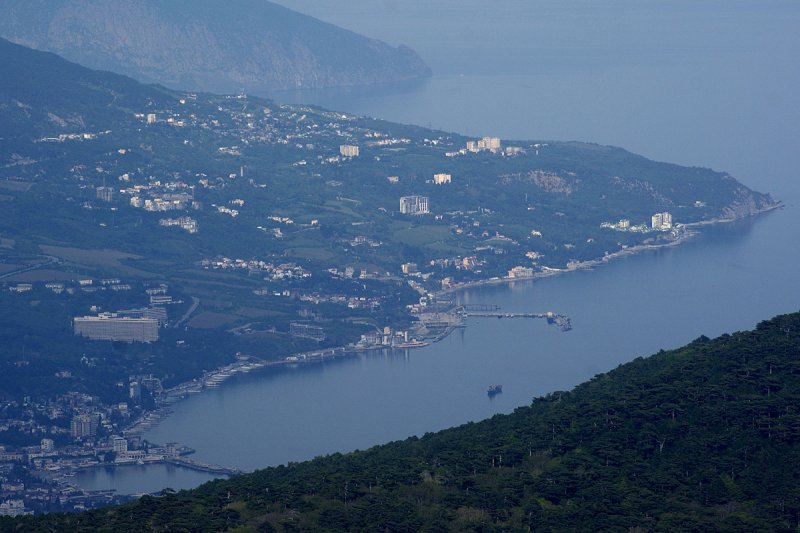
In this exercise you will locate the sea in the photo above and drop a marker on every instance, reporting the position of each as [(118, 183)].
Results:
[(712, 84)]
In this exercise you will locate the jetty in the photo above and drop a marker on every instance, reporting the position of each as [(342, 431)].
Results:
[(562, 321), (202, 467)]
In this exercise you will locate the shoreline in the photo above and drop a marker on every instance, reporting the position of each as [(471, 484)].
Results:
[(245, 364), (591, 263)]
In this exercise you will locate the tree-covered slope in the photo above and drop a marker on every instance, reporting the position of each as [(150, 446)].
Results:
[(703, 438), (207, 44), (44, 94)]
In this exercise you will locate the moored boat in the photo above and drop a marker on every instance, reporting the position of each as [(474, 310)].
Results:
[(411, 344)]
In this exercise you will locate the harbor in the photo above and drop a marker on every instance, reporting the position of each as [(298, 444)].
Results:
[(444, 315), (76, 465), (435, 321)]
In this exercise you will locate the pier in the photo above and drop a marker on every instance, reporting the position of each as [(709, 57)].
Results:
[(562, 321), (202, 467)]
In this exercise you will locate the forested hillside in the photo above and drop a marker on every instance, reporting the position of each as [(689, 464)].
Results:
[(703, 438)]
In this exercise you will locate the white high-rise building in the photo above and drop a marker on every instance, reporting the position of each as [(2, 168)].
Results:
[(105, 194), (84, 425), (348, 150), (489, 143), (119, 444), (414, 205), (661, 221)]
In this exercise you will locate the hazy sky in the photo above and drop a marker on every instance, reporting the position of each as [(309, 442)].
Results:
[(518, 33)]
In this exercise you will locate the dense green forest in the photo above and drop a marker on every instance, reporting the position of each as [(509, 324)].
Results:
[(702, 438)]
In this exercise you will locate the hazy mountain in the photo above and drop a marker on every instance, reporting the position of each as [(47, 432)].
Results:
[(207, 44)]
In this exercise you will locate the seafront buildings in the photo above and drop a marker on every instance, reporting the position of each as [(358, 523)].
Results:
[(661, 221), (658, 222), (84, 425), (520, 272)]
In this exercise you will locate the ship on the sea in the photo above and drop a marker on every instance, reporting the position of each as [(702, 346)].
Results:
[(494, 390), (411, 344)]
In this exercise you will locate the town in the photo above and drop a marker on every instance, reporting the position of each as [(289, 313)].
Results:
[(211, 236)]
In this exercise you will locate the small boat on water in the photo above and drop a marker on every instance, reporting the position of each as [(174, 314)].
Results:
[(494, 390)]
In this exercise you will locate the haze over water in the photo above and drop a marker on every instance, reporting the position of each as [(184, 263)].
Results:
[(708, 84)]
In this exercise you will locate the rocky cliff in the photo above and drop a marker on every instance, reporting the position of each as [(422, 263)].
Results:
[(207, 45)]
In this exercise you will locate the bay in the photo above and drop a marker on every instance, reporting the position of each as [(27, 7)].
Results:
[(139, 479), (720, 282), (711, 84)]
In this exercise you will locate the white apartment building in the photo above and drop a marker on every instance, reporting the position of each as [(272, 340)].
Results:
[(661, 220), (414, 205), (348, 150), (109, 326)]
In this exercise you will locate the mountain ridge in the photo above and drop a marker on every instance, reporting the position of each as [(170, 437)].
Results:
[(203, 46)]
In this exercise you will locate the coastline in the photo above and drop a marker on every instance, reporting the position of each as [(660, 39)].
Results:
[(591, 263), (246, 364)]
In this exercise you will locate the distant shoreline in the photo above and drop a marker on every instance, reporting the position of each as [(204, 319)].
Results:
[(591, 263)]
